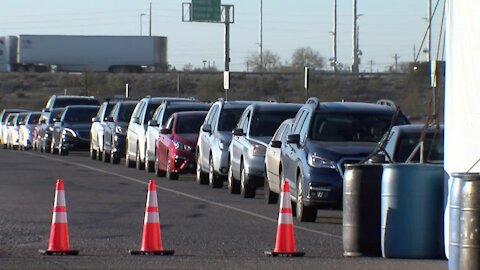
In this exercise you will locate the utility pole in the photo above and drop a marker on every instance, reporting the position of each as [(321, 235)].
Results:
[(396, 62), (150, 24), (227, 37), (429, 31), (355, 63), (334, 33), (260, 38)]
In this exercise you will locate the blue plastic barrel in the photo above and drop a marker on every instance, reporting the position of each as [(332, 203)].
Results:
[(412, 211), (464, 247), (362, 184)]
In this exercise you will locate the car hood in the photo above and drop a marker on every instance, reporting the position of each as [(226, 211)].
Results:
[(337, 150), (187, 139)]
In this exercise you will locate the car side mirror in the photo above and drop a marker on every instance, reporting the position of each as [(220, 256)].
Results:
[(95, 119), (276, 144), (238, 132), (47, 110), (207, 128), (165, 131), (109, 119), (153, 123), (293, 138)]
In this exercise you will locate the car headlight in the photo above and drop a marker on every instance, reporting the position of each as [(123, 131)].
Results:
[(318, 162), (182, 146), (120, 130), (257, 150), (69, 132)]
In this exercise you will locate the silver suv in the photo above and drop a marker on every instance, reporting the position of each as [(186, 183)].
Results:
[(214, 139), (137, 128), (254, 131), (97, 129)]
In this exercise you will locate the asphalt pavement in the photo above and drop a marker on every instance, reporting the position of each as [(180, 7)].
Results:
[(207, 228)]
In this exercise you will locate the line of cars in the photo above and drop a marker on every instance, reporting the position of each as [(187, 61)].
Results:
[(246, 144)]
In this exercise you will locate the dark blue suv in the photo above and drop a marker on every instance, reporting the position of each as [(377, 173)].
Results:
[(324, 138)]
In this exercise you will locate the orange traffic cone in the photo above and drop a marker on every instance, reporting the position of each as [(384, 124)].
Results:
[(58, 242), (151, 237), (285, 241)]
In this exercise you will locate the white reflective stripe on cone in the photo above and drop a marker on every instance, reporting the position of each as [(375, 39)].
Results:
[(59, 217), (285, 200), (152, 199), (285, 218), (59, 198), (151, 217)]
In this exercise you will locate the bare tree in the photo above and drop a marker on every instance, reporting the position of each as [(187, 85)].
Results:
[(271, 61), (306, 57)]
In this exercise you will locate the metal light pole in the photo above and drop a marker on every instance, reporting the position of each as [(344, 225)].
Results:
[(334, 33), (260, 41), (429, 32), (150, 22), (227, 37), (355, 63), (141, 22)]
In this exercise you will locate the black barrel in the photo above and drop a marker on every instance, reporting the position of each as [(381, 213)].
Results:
[(412, 211), (464, 247), (362, 186)]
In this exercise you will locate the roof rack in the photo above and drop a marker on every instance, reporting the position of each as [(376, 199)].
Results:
[(314, 101), (387, 102), (271, 100)]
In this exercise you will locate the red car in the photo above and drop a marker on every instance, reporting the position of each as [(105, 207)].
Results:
[(175, 146)]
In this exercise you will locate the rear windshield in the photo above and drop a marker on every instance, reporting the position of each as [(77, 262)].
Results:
[(79, 115), (229, 118), (341, 127), (264, 124), (432, 150), (125, 112), (189, 124), (64, 102)]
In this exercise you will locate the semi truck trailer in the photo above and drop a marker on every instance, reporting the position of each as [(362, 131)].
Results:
[(73, 53)]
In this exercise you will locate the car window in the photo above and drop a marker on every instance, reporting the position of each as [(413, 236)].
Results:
[(299, 120), (229, 118), (432, 150), (278, 134), (211, 115), (158, 112), (342, 127), (149, 112), (304, 129), (188, 124), (265, 123), (169, 124)]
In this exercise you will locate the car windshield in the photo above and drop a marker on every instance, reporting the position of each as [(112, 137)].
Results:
[(56, 113), (229, 118), (21, 118), (80, 115), (265, 123), (343, 127), (125, 112), (64, 102), (189, 124), (169, 112), (432, 150), (34, 118)]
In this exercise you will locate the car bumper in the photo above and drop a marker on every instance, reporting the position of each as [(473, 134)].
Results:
[(255, 170), (182, 162), (75, 143), (220, 162), (118, 147), (323, 187)]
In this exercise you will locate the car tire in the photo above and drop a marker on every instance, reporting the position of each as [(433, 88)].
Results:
[(114, 158), (158, 172), (202, 177), (213, 179), (304, 213), (233, 184), (53, 150), (138, 161), (128, 162), (246, 190), (105, 157), (93, 153), (170, 175), (270, 196), (148, 164)]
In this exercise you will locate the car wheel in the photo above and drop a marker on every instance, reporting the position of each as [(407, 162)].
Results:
[(246, 190), (304, 213), (93, 153), (138, 162), (233, 184), (158, 172), (270, 196), (170, 175), (202, 178), (148, 164), (105, 157), (114, 158), (128, 162), (213, 179)]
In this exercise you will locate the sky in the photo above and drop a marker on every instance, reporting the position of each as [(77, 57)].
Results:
[(386, 28)]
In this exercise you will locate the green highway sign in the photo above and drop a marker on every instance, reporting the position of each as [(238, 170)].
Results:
[(205, 10)]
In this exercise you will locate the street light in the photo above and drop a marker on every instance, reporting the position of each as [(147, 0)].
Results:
[(141, 16)]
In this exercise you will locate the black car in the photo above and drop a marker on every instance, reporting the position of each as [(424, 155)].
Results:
[(324, 137), (72, 132), (115, 131)]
